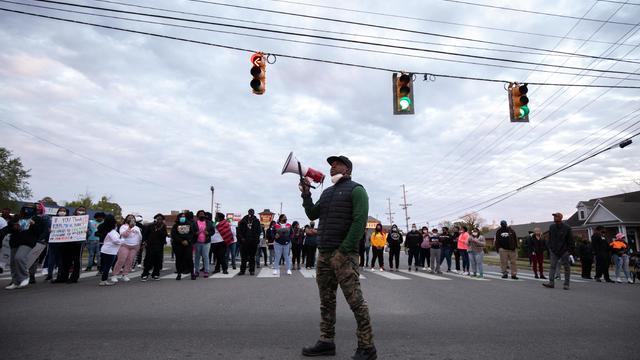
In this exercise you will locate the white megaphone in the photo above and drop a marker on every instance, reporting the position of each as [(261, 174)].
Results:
[(293, 165)]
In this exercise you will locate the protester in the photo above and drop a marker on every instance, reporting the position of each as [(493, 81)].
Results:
[(270, 234), (262, 249), (219, 243), (131, 236), (435, 250), (476, 255), (182, 237), (585, 252), (41, 241), (620, 251), (93, 241), (535, 248), (602, 251), (54, 258), (203, 231), (425, 249), (70, 253), (282, 245), (232, 246), (463, 249), (455, 235), (19, 253), (156, 240), (296, 244), (312, 245), (342, 210), (561, 249), (506, 243), (447, 247), (111, 245), (378, 242), (364, 249), (394, 241), (249, 230), (412, 244)]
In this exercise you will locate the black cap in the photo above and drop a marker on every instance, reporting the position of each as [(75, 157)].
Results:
[(343, 159)]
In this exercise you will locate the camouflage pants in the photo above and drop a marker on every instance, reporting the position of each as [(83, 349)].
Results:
[(333, 269)]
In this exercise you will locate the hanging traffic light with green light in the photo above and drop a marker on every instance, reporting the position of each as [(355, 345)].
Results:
[(403, 94), (259, 72), (518, 102)]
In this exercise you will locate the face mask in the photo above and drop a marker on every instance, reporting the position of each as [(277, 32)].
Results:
[(474, 233), (183, 220), (414, 229), (335, 178), (202, 218), (81, 213), (61, 213)]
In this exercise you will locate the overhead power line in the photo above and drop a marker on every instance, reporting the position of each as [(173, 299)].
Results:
[(93, 160), (518, 51), (538, 12), (303, 57), (311, 43), (346, 40), (620, 2), (397, 16)]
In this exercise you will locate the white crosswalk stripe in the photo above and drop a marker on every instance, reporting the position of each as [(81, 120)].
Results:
[(308, 273), (424, 275), (267, 273), (390, 275), (88, 274), (231, 273), (464, 276)]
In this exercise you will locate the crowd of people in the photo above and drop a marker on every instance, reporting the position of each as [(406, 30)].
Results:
[(203, 244)]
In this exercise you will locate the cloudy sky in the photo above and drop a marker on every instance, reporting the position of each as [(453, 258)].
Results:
[(155, 122)]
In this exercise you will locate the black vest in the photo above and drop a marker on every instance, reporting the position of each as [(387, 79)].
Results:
[(336, 213)]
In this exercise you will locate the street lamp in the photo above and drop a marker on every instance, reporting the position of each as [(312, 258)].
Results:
[(212, 192)]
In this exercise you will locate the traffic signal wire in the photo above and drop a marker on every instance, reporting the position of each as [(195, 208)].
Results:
[(539, 12), (253, 28), (405, 17), (309, 43), (304, 57), (520, 51)]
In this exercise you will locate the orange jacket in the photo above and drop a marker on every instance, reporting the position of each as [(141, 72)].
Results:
[(378, 240), (619, 247)]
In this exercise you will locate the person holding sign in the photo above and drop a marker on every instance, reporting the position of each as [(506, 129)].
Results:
[(131, 238), (70, 252)]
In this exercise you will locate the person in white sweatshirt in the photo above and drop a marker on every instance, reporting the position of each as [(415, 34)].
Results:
[(131, 238), (109, 249)]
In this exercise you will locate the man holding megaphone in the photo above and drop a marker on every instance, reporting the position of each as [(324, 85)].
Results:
[(343, 210)]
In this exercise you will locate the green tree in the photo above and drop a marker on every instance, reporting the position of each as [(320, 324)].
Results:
[(13, 179), (105, 204)]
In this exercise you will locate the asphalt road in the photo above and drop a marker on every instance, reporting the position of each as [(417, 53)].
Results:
[(243, 317)]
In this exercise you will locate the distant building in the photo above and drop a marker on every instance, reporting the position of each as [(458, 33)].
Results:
[(617, 214)]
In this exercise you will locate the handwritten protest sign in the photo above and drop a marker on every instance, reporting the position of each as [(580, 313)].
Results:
[(68, 228)]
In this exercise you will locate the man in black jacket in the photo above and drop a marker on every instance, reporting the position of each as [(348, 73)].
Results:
[(249, 230), (506, 245), (412, 243), (156, 240), (601, 250), (561, 248)]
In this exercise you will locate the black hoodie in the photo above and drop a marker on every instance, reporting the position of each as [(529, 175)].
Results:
[(414, 239), (395, 238)]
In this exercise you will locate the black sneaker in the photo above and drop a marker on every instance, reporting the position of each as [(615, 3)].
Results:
[(365, 353), (179, 277), (505, 276), (251, 273), (241, 273), (32, 279), (144, 278), (321, 348), (156, 278), (514, 277), (548, 285)]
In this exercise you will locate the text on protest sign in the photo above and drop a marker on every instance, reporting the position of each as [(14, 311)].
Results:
[(68, 228)]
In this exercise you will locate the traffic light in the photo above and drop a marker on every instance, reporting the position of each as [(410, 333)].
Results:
[(518, 102), (402, 94), (259, 72)]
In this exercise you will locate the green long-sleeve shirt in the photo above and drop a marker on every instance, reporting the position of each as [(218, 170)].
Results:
[(360, 201)]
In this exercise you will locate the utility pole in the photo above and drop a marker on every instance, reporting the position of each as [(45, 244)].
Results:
[(390, 214), (404, 206), (217, 208), (280, 207), (212, 192)]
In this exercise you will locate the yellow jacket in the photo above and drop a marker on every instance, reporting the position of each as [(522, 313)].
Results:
[(378, 240)]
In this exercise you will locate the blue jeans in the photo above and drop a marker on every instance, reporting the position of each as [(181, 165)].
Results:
[(622, 263), (53, 257), (282, 250), (476, 259), (231, 251), (272, 255), (464, 254), (446, 254), (202, 251), (94, 253)]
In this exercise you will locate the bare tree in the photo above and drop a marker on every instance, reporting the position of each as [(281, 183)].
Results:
[(471, 220)]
